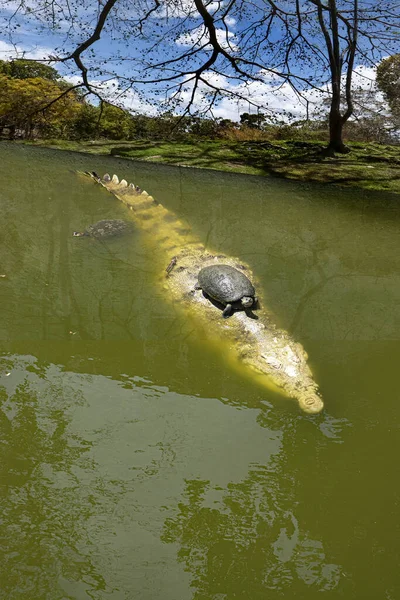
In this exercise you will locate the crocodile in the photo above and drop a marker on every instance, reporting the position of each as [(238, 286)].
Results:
[(255, 345)]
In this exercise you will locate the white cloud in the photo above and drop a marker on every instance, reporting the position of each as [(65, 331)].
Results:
[(230, 21), (111, 91), (9, 51), (364, 77), (272, 96), (130, 99)]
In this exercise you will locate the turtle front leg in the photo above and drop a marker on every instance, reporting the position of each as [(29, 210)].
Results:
[(227, 311)]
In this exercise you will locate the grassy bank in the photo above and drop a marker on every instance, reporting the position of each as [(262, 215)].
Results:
[(369, 165)]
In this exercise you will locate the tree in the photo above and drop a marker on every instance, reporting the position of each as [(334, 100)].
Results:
[(114, 123), (28, 105), (28, 69), (254, 121), (191, 54), (388, 80), (203, 128)]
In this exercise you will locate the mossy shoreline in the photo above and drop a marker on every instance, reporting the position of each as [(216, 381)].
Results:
[(369, 165)]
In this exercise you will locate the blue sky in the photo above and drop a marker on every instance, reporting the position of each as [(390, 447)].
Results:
[(32, 37)]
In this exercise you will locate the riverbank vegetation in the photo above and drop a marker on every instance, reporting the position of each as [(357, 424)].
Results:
[(369, 165), (257, 145)]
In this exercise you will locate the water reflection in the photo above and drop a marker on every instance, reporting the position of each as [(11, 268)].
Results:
[(94, 471), (90, 468), (41, 536), (241, 541)]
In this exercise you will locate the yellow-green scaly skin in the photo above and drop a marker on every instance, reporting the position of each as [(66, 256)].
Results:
[(254, 346)]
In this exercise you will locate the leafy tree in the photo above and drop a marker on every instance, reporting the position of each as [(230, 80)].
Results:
[(85, 124), (115, 123), (26, 107), (139, 126), (227, 124), (388, 80), (204, 128), (164, 126), (28, 69), (254, 121)]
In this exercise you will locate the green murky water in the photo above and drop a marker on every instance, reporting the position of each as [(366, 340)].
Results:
[(133, 463)]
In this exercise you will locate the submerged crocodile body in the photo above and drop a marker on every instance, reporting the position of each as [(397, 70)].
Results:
[(265, 351)]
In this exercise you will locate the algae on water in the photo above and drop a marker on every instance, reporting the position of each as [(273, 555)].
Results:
[(255, 346)]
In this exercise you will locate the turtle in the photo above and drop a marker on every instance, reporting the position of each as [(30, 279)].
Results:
[(228, 286), (105, 229)]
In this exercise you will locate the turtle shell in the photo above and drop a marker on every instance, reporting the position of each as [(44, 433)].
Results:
[(225, 283), (108, 228)]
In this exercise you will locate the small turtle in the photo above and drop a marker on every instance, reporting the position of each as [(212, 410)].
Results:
[(105, 229), (228, 286)]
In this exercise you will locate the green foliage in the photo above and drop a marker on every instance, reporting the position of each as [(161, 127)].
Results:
[(204, 128), (374, 128), (28, 69), (302, 45), (84, 126), (388, 80), (139, 126), (24, 107), (254, 121), (112, 123), (163, 127), (227, 124), (115, 123)]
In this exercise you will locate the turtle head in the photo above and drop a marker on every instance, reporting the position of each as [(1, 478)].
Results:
[(79, 233), (247, 301)]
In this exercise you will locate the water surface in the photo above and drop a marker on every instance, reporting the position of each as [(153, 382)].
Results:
[(133, 462)]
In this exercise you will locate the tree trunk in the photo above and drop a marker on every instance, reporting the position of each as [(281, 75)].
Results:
[(336, 143)]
